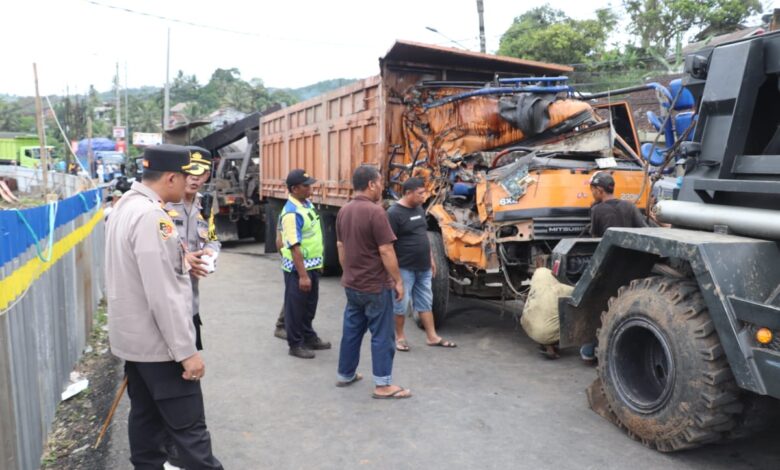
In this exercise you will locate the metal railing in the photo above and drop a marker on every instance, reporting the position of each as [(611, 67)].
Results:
[(46, 315)]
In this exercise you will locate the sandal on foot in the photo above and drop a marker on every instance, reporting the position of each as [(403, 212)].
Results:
[(397, 395), (402, 345), (346, 383), (552, 355), (443, 343)]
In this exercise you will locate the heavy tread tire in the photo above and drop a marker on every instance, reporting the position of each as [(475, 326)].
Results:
[(703, 403), (271, 214), (440, 284), (258, 230), (330, 250), (759, 413)]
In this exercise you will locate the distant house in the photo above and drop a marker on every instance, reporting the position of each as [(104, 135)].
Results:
[(225, 116), (641, 102), (178, 115), (742, 33), (644, 101)]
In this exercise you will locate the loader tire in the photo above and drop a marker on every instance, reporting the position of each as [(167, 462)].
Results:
[(662, 367), (440, 284), (758, 414), (271, 214)]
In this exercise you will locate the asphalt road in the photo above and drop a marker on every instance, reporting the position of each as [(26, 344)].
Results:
[(493, 402)]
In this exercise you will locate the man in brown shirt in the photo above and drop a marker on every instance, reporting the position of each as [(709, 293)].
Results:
[(371, 278)]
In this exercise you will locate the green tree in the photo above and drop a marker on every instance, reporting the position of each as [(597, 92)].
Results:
[(549, 35), (10, 116), (185, 88), (661, 25), (145, 114)]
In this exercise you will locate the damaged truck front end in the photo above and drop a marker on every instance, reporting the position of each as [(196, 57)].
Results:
[(508, 167)]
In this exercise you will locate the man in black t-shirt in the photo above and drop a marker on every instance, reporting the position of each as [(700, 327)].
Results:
[(606, 212), (407, 219)]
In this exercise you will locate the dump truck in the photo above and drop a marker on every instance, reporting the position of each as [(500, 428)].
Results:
[(687, 317), (21, 150), (506, 149)]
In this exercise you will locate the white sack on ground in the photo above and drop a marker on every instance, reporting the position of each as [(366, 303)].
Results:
[(540, 314)]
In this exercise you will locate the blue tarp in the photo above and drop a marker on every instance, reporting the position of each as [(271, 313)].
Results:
[(98, 143), (15, 239)]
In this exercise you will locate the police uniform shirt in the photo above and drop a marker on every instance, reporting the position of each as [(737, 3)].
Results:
[(147, 281), (193, 231)]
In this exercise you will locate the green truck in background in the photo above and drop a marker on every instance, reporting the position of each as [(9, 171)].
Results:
[(21, 149)]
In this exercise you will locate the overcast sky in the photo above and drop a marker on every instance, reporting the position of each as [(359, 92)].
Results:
[(287, 43)]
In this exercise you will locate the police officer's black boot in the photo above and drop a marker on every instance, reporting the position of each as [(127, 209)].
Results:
[(301, 352)]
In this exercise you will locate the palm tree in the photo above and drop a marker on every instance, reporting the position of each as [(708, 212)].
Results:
[(146, 116)]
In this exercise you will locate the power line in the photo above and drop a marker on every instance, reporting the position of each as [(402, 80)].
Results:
[(217, 28), (356, 44)]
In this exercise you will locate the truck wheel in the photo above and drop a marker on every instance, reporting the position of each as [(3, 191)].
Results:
[(662, 368), (270, 228), (257, 229), (330, 250), (440, 283)]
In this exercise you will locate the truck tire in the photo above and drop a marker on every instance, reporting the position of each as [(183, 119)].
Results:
[(271, 215), (330, 250), (257, 229), (758, 413), (440, 284), (662, 367)]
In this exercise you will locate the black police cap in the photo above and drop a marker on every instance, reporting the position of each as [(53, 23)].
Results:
[(167, 157)]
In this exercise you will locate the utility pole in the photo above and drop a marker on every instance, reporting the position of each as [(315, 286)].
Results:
[(127, 115), (167, 97), (118, 100), (41, 133), (90, 156), (481, 11)]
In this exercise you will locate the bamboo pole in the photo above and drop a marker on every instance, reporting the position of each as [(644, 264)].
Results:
[(41, 136), (111, 412)]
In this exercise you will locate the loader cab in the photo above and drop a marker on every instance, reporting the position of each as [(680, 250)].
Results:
[(736, 144)]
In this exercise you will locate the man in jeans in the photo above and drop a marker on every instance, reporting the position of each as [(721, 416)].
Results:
[(365, 246), (407, 218)]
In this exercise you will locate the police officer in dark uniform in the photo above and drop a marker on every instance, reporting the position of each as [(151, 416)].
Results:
[(150, 317)]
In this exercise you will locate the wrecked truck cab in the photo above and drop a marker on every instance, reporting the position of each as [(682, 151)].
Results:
[(509, 170)]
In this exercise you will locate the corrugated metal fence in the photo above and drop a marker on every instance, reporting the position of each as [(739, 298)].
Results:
[(46, 311)]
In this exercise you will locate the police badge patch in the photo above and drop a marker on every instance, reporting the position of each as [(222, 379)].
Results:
[(166, 229)]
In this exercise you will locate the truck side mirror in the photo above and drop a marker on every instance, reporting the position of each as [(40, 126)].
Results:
[(697, 66)]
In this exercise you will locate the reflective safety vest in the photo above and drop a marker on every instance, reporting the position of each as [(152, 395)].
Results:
[(311, 238)]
